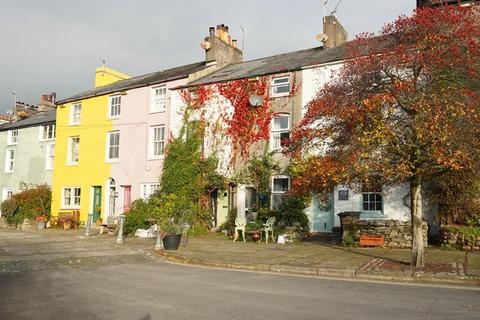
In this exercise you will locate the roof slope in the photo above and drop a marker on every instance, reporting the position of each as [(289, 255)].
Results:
[(34, 120), (274, 64), (140, 81)]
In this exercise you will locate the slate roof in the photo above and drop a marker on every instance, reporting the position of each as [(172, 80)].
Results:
[(286, 62), (34, 120), (140, 81)]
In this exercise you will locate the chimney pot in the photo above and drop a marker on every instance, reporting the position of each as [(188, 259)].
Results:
[(211, 31)]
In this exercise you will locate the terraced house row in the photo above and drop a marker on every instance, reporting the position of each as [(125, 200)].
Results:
[(106, 146)]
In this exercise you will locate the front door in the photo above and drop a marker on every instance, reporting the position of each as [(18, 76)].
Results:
[(97, 203), (322, 213), (127, 198)]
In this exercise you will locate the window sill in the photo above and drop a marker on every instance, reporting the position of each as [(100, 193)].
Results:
[(72, 164), (12, 144), (48, 169), (70, 208), (281, 95), (8, 171), (74, 124), (46, 140), (112, 160), (113, 118), (372, 215), (156, 158), (157, 111)]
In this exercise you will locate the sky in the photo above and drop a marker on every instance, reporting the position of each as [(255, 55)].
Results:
[(55, 45)]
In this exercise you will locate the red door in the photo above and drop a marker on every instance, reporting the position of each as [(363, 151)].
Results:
[(127, 197)]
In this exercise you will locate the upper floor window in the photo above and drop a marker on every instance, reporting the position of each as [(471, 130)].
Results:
[(372, 199), (75, 113), (159, 102), (280, 86), (73, 150), (114, 106), (47, 132), (113, 145), (12, 137), (9, 160), (280, 133), (50, 156), (280, 186), (157, 137)]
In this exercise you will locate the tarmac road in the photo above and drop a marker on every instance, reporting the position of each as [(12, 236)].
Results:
[(124, 284)]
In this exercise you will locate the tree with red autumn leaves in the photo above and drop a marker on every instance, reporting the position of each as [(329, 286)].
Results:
[(405, 108)]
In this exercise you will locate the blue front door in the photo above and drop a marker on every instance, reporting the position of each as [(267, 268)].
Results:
[(322, 218)]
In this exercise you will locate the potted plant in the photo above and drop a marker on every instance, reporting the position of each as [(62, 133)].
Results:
[(41, 222), (171, 213)]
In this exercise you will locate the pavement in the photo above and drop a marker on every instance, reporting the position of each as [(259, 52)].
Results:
[(327, 260)]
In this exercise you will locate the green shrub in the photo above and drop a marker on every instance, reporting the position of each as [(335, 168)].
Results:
[(291, 213), (138, 217), (30, 203), (264, 213), (350, 240), (466, 235)]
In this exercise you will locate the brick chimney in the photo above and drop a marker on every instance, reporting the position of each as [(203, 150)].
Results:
[(47, 101), (335, 32), (220, 47)]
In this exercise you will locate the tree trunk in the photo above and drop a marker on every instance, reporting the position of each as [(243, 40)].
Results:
[(418, 249)]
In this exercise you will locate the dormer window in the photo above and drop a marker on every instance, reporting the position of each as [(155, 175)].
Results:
[(281, 86)]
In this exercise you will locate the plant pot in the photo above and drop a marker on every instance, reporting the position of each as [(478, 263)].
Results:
[(171, 241), (67, 225), (372, 240), (41, 225)]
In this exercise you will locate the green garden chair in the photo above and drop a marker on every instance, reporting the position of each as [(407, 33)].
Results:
[(240, 223), (268, 228)]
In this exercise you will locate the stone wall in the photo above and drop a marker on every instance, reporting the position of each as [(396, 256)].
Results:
[(397, 234), (467, 238)]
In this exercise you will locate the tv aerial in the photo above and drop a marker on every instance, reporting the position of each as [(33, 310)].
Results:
[(9, 112)]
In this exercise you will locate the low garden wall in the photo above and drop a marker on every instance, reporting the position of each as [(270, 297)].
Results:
[(468, 238), (397, 234)]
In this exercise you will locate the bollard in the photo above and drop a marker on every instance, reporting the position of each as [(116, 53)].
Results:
[(158, 243), (89, 225), (120, 229)]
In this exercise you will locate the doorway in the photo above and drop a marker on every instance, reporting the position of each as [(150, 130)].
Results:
[(97, 203)]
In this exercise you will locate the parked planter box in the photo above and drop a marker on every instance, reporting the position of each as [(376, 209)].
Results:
[(171, 242), (372, 240)]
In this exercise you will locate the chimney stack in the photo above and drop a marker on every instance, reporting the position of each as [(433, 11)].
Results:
[(335, 32), (47, 101), (220, 47)]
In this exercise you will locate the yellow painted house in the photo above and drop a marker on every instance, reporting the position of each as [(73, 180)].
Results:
[(81, 172)]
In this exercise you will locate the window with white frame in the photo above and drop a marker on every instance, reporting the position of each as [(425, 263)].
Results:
[(47, 132), (280, 186), (372, 199), (280, 132), (147, 189), (113, 145), (280, 86), (114, 106), (50, 156), (12, 137), (73, 150), (157, 136), (159, 102), (7, 193), (75, 113), (71, 197), (9, 160)]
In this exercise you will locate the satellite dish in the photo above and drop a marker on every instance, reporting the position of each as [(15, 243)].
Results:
[(322, 37), (9, 112), (255, 101)]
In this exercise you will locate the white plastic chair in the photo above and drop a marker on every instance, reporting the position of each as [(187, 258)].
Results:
[(240, 223)]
